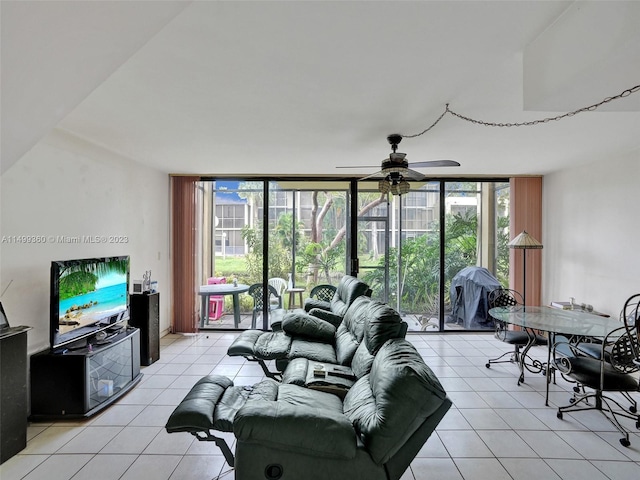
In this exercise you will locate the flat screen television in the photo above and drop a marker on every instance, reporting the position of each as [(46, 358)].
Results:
[(87, 296)]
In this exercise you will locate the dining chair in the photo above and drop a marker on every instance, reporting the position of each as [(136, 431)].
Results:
[(629, 316), (614, 372), (255, 291), (505, 297)]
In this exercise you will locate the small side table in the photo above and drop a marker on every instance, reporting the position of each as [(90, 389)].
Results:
[(292, 297)]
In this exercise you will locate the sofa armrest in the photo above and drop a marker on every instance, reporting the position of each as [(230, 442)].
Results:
[(300, 324), (327, 316), (299, 428)]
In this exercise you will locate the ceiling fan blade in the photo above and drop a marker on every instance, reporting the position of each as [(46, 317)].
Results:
[(435, 163), (413, 175), (377, 176)]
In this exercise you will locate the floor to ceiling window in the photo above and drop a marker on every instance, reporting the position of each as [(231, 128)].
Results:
[(476, 256), (438, 233), (411, 249), (305, 243)]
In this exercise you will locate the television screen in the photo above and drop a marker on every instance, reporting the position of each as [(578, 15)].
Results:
[(86, 296)]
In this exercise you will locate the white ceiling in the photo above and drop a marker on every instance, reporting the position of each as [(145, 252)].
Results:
[(278, 88)]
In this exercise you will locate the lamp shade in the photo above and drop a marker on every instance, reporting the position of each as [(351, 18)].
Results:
[(525, 241)]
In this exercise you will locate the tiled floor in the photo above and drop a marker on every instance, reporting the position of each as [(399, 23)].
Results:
[(496, 429)]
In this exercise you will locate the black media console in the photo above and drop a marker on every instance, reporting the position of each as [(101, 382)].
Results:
[(80, 383)]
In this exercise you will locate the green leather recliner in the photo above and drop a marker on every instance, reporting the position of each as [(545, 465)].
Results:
[(349, 288), (289, 432), (307, 336)]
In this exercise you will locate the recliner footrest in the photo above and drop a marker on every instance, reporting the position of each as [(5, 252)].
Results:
[(259, 346), (212, 404), (264, 345)]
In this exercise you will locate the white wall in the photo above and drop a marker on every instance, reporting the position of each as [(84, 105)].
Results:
[(591, 233), (67, 187)]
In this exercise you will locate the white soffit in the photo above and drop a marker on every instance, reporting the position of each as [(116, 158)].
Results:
[(591, 52), (54, 54)]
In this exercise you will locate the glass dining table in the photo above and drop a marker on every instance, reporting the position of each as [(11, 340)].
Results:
[(553, 322)]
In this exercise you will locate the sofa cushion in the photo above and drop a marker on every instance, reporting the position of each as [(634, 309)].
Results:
[(301, 324), (381, 324), (390, 403), (311, 303), (301, 420), (346, 345), (347, 291), (308, 430), (313, 351), (362, 361), (297, 395), (355, 316), (351, 331)]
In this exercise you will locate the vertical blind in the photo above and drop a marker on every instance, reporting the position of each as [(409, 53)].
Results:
[(526, 214), (184, 255)]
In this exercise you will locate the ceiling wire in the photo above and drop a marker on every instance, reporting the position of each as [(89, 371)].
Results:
[(590, 108)]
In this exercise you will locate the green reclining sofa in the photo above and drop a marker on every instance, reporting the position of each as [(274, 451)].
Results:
[(289, 432), (309, 337)]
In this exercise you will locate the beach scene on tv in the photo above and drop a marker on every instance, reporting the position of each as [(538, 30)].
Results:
[(91, 292)]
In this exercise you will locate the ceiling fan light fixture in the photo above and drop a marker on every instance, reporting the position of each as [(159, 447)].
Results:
[(384, 186), (394, 171), (394, 184), (403, 187)]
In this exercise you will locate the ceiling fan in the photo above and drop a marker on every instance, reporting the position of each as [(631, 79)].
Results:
[(395, 170), (397, 167)]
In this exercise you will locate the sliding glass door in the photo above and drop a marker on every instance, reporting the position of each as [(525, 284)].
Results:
[(373, 240), (304, 244), (421, 252), (439, 234), (476, 256)]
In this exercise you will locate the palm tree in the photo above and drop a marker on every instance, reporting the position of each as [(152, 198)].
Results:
[(77, 277)]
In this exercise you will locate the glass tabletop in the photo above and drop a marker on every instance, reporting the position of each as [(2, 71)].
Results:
[(567, 322)]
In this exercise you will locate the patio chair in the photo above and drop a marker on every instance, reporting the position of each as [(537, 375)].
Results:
[(322, 293), (280, 284), (255, 291), (216, 302)]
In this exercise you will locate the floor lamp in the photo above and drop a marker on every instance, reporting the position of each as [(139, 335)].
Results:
[(524, 242)]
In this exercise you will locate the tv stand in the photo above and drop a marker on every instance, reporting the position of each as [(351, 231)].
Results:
[(80, 383)]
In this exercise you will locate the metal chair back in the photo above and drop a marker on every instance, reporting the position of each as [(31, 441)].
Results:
[(323, 292)]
